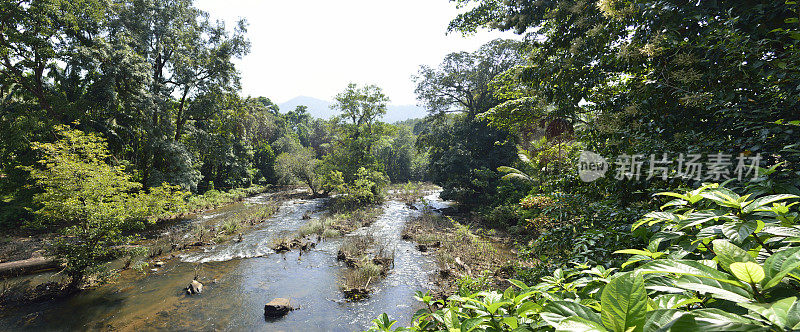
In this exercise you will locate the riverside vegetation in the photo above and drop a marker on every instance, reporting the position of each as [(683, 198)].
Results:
[(113, 130)]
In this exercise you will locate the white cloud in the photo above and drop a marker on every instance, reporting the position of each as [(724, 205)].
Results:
[(314, 48)]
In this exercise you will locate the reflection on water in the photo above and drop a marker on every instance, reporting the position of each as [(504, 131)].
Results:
[(240, 278)]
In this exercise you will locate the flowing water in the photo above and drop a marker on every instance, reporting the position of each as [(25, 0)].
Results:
[(240, 278)]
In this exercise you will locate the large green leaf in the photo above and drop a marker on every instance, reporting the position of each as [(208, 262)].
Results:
[(737, 232), (781, 231), (673, 301), (578, 324), (557, 311), (662, 319), (781, 264), (472, 323), (712, 320), (714, 288), (728, 253), (624, 303), (748, 272), (685, 267), (723, 197), (764, 201), (783, 313), (701, 217)]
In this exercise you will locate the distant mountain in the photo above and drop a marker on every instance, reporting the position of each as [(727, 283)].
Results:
[(395, 113), (319, 108)]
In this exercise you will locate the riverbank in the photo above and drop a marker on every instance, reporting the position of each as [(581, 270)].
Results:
[(22, 244), (468, 256), (161, 242), (240, 277)]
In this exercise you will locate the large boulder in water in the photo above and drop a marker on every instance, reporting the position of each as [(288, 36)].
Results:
[(277, 308), (195, 287)]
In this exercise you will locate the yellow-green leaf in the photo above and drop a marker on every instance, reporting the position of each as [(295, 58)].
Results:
[(748, 272)]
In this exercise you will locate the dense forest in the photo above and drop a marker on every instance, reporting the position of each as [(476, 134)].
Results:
[(638, 159)]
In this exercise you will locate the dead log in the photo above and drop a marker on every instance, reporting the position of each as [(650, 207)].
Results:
[(28, 266)]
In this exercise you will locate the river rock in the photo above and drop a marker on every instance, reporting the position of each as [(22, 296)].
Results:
[(158, 264), (356, 294), (195, 287), (277, 308), (281, 247), (462, 265)]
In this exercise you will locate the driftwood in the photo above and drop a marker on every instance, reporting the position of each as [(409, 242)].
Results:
[(28, 266)]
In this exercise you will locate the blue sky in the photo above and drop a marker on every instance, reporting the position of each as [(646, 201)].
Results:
[(314, 48)]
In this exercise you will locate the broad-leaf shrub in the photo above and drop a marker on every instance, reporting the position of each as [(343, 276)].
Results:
[(92, 201), (716, 261), (367, 188)]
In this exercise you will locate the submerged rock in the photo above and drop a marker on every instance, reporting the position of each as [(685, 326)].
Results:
[(277, 308), (195, 287), (356, 294)]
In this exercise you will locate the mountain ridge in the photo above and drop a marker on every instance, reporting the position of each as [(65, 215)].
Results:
[(321, 109)]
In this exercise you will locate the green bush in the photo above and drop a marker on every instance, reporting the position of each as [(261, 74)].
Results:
[(91, 201), (715, 261), (367, 188)]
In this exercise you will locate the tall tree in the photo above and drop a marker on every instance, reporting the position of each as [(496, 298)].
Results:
[(359, 128), (190, 57), (464, 151), (652, 76), (461, 82)]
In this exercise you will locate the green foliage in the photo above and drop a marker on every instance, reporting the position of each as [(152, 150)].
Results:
[(463, 151), (398, 155), (715, 261), (468, 285), (464, 156), (368, 188), (93, 200), (264, 162), (300, 166), (213, 198)]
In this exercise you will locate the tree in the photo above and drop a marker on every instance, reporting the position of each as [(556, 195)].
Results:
[(36, 34), (461, 82), (653, 76), (300, 165), (396, 152), (464, 152), (464, 157), (95, 201), (361, 106), (359, 129), (189, 57), (264, 161)]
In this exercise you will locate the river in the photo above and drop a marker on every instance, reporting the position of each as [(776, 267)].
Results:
[(240, 277)]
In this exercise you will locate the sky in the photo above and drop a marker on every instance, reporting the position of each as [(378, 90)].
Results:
[(315, 48)]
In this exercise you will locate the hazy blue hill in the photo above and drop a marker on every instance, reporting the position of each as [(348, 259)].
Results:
[(396, 113), (321, 109), (317, 107)]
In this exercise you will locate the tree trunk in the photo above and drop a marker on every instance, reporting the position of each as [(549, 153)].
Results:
[(28, 266), (180, 119)]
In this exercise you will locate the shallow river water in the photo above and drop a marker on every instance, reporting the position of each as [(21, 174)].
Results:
[(239, 278)]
